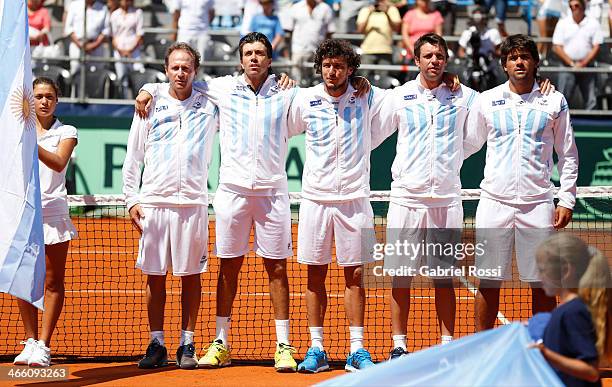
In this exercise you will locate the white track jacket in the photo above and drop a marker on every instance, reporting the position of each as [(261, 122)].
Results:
[(432, 129), (174, 143), (339, 139), (521, 132)]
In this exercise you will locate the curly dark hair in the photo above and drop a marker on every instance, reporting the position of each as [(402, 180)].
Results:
[(519, 42), (334, 48), (186, 47)]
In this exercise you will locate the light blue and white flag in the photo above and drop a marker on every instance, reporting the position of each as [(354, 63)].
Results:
[(22, 255)]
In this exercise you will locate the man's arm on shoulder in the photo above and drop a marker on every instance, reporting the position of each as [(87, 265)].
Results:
[(382, 115), (567, 153), (475, 128), (134, 159)]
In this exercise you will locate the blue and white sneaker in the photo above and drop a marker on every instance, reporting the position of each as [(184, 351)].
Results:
[(358, 360), (315, 361)]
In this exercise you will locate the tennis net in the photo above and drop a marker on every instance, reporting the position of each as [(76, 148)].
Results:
[(105, 314)]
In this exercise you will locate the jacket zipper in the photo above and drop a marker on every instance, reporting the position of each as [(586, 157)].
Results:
[(253, 140), (337, 154)]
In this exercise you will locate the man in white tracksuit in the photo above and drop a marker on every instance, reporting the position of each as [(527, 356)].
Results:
[(335, 193), (425, 201), (252, 190), (521, 127), (171, 208)]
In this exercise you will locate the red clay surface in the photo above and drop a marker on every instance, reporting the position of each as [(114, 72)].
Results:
[(105, 315)]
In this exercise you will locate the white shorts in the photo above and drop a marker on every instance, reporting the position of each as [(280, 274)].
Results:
[(58, 229), (175, 237), (235, 216), (504, 226), (425, 231), (350, 224)]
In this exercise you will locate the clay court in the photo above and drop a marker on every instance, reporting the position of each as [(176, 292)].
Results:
[(103, 329)]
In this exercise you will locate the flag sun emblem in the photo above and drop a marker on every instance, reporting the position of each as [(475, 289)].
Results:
[(22, 106)]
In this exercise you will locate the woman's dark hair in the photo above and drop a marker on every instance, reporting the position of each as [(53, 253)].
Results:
[(47, 81), (336, 48)]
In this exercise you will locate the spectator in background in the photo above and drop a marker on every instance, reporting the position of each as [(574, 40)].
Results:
[(192, 20), (97, 30), (448, 10), (576, 42), (481, 35), (127, 38), (250, 8), (378, 22), (347, 19), (417, 22), (480, 45), (112, 6), (309, 22), (268, 24), (401, 5), (500, 14), (610, 17), (39, 22), (548, 16)]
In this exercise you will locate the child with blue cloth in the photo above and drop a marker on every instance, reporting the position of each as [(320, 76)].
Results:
[(579, 331)]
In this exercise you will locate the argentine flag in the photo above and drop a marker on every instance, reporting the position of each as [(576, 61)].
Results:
[(22, 249)]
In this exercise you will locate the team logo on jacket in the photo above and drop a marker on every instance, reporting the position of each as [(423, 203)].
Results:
[(451, 97), (197, 105), (543, 101), (240, 88), (499, 102), (410, 97), (352, 99), (316, 102), (161, 108)]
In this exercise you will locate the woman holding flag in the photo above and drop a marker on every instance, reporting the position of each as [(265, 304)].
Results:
[(56, 142)]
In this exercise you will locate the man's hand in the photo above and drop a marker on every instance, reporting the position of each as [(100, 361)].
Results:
[(562, 217), (143, 104), (451, 80), (284, 82), (546, 86), (136, 215), (361, 84)]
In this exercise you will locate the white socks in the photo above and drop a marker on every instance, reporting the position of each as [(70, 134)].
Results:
[(282, 331), (159, 335), (446, 339), (186, 337), (356, 336), (399, 341), (316, 337), (222, 329)]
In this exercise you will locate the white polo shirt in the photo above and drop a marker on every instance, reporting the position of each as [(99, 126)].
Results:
[(97, 20), (309, 29), (194, 14), (577, 39), (489, 39), (53, 184)]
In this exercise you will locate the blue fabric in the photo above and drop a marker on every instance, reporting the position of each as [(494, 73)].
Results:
[(537, 324), (495, 357), (570, 332), (22, 250)]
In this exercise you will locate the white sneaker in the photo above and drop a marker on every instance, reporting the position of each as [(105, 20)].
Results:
[(24, 356), (41, 356)]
